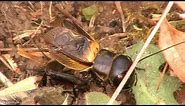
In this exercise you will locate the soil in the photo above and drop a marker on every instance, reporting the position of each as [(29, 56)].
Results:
[(20, 17)]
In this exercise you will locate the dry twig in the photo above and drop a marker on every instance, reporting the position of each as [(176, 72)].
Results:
[(34, 34), (118, 6), (161, 76), (50, 11), (25, 49)]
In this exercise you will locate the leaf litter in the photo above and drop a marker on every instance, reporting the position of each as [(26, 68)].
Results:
[(23, 23)]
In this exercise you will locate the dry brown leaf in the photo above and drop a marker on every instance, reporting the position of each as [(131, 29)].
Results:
[(181, 4), (180, 95), (174, 56), (34, 56)]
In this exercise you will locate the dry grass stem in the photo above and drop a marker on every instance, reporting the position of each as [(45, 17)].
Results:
[(161, 76), (118, 6), (50, 11), (25, 49)]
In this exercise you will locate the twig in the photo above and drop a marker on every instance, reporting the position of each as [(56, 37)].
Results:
[(38, 27), (161, 76), (116, 35), (44, 25), (119, 88), (34, 33), (118, 6), (25, 49), (50, 11)]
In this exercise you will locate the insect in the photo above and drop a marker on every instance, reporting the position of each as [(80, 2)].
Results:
[(78, 50)]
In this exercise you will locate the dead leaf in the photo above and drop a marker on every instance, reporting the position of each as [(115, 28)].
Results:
[(180, 4), (34, 56), (174, 56), (180, 95)]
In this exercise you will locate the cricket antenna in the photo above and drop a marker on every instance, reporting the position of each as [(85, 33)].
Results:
[(161, 50)]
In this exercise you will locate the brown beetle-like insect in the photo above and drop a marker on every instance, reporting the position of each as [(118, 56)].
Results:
[(78, 50)]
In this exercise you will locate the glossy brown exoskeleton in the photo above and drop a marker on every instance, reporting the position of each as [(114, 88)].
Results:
[(78, 50)]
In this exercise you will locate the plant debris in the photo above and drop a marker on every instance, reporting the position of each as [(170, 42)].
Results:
[(30, 74)]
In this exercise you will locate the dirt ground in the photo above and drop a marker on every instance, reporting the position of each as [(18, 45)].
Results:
[(34, 19)]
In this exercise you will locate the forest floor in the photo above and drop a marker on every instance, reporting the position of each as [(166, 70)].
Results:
[(23, 21)]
